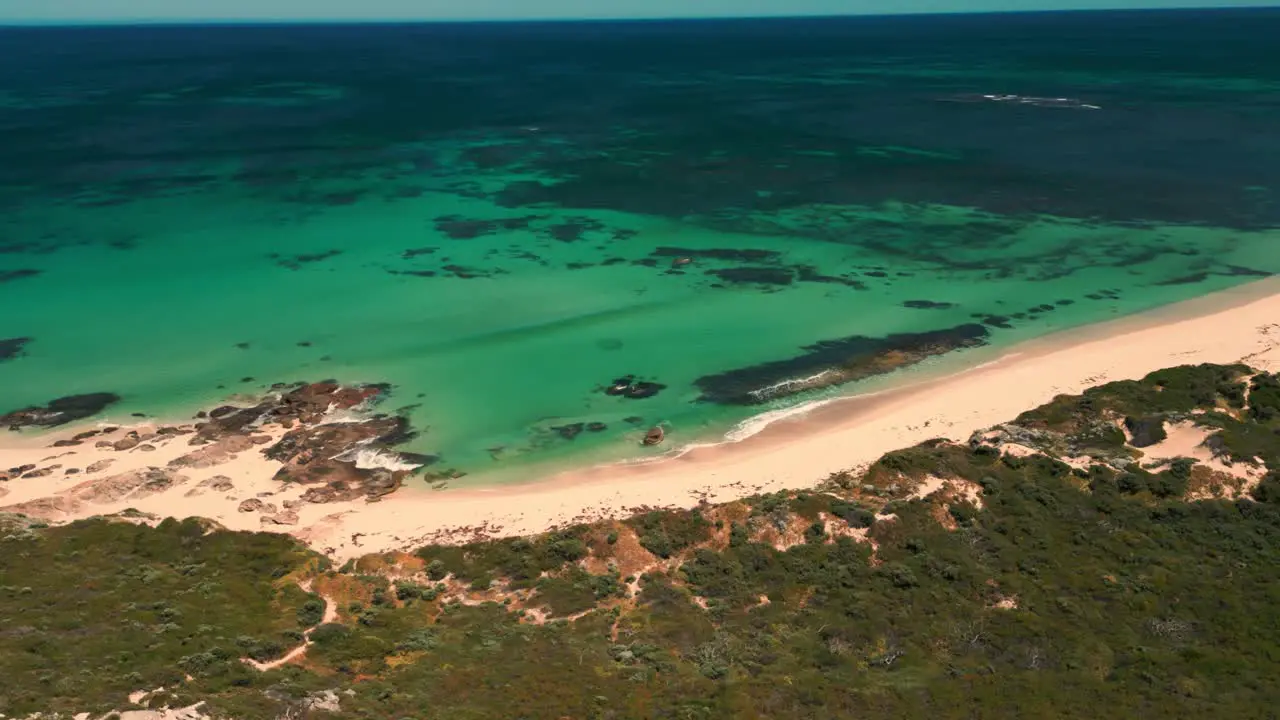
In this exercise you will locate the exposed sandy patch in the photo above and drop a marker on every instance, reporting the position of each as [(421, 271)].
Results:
[(1017, 450), (837, 528), (1186, 440), (1007, 602), (1227, 479)]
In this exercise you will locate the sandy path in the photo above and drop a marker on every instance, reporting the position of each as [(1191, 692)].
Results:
[(1242, 324), (330, 615)]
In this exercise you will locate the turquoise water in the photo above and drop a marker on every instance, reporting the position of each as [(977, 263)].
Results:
[(499, 243)]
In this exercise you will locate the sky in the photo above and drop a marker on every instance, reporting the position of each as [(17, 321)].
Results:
[(22, 11)]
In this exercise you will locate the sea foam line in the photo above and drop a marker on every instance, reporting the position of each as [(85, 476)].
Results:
[(768, 392)]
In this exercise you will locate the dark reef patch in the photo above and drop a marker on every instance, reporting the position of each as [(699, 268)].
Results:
[(11, 275), (1104, 295), (340, 199), (463, 272), (11, 348), (569, 432), (810, 274), (488, 157), (60, 411), (518, 254), (295, 262), (726, 254), (768, 175), (573, 229), (415, 273), (13, 247), (754, 275), (1191, 279), (1239, 270), (460, 228), (927, 305), (835, 362), (412, 253), (406, 193)]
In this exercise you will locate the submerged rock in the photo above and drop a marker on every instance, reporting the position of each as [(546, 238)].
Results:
[(60, 412), (641, 390), (569, 432), (11, 275), (835, 362), (927, 305), (741, 255), (11, 348), (754, 275), (627, 386), (620, 385)]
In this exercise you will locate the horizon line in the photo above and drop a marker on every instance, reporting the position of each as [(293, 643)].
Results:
[(251, 21)]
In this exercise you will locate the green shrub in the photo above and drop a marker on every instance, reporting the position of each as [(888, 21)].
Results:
[(311, 612)]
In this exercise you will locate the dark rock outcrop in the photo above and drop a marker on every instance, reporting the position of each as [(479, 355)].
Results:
[(11, 275), (569, 432), (627, 386), (834, 362), (11, 348), (60, 411)]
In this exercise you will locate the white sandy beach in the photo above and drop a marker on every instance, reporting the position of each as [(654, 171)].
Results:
[(1238, 325)]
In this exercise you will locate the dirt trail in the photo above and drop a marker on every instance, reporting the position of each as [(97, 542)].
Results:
[(330, 615)]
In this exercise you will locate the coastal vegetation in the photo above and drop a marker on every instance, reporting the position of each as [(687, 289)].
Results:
[(1055, 566)]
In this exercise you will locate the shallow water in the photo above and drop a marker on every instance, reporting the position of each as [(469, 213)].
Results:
[(496, 219)]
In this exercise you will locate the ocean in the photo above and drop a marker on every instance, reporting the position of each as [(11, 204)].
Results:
[(502, 220)]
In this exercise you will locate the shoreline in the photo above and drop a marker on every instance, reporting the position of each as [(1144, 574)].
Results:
[(794, 452)]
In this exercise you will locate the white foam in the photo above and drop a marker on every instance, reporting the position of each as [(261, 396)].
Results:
[(342, 417), (372, 459), (756, 424), (766, 393)]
